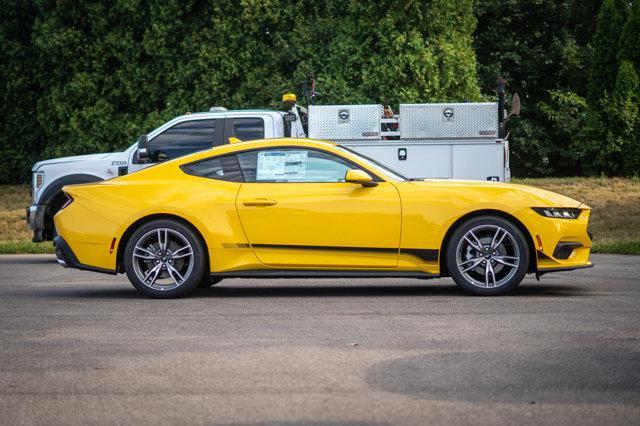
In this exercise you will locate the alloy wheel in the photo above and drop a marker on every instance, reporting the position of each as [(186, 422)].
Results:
[(488, 256), (163, 259)]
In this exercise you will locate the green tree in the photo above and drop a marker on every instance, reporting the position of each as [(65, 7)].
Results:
[(541, 47), (629, 48), (611, 137), (387, 51), (623, 138), (569, 115), (604, 64), (100, 73), (20, 133)]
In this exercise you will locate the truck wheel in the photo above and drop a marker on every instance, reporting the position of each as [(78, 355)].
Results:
[(164, 259), (56, 203), (487, 256)]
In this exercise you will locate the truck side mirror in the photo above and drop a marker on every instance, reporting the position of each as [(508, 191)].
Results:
[(143, 149)]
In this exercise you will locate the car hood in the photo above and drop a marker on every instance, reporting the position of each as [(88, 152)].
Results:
[(535, 196), (75, 158)]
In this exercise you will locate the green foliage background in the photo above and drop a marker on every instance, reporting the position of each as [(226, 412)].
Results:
[(84, 76)]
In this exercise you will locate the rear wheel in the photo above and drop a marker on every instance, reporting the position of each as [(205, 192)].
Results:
[(164, 259), (487, 255)]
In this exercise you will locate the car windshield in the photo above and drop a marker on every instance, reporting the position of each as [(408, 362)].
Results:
[(374, 164)]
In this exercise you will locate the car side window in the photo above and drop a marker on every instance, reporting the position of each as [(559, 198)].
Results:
[(182, 139), (293, 165), (220, 168), (248, 128)]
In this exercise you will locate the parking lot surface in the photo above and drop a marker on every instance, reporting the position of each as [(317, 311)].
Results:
[(78, 347)]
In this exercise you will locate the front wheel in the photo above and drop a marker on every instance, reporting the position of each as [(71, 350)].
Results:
[(164, 259), (487, 256)]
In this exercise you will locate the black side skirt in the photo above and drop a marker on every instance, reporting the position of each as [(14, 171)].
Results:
[(309, 273), (426, 255)]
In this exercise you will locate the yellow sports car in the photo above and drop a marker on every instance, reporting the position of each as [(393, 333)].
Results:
[(307, 208)]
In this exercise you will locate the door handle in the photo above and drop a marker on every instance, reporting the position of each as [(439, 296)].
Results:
[(259, 202)]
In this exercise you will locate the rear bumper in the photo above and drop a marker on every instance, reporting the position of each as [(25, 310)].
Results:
[(36, 221), (68, 259)]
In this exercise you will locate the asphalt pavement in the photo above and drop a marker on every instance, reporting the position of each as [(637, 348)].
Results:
[(80, 347)]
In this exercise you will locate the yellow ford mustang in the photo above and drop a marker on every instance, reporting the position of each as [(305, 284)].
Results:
[(306, 208)]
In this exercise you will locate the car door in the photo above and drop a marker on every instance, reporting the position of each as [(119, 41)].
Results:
[(298, 212)]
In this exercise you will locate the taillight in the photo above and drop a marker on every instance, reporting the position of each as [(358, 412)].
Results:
[(68, 201)]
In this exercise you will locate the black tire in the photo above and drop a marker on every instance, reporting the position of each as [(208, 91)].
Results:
[(461, 254), (208, 281), (182, 274)]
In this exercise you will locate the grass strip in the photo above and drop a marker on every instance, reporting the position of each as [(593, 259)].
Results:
[(25, 247), (618, 247)]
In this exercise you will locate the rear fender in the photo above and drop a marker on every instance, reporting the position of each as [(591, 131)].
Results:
[(55, 187)]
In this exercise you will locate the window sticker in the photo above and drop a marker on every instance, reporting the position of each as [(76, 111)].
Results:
[(281, 165)]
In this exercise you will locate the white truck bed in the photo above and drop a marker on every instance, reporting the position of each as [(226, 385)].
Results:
[(475, 159), (445, 140)]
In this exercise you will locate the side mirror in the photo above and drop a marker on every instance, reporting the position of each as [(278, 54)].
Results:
[(143, 149), (361, 177)]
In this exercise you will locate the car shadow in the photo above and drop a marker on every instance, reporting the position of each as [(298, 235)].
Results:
[(91, 292), (233, 290), (241, 291)]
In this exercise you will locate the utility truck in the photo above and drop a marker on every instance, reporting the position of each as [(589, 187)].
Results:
[(440, 140)]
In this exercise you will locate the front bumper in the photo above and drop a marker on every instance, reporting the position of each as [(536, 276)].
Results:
[(36, 221), (561, 244), (67, 258)]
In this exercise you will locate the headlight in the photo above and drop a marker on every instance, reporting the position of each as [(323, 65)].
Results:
[(557, 213), (38, 180)]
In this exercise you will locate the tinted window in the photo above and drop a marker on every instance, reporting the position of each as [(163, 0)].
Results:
[(248, 128), (220, 168), (182, 139), (293, 165)]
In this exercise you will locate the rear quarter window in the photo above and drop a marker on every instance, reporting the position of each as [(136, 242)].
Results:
[(219, 168)]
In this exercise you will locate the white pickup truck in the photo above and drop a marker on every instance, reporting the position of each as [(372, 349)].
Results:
[(451, 141)]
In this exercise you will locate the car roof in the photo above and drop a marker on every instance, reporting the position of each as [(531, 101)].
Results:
[(245, 146), (256, 144)]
